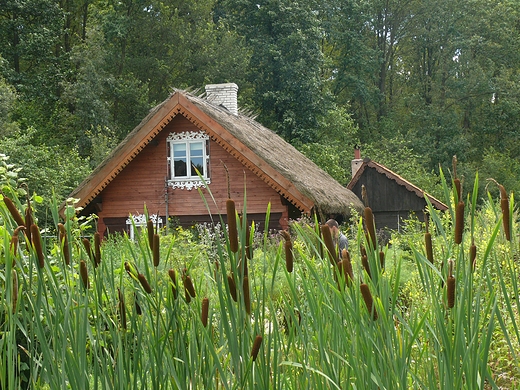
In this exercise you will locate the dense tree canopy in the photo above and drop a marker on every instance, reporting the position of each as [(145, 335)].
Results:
[(423, 80)]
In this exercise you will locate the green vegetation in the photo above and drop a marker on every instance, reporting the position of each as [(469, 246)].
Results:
[(200, 309), (412, 82)]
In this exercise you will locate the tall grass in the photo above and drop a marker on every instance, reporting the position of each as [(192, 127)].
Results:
[(252, 320)]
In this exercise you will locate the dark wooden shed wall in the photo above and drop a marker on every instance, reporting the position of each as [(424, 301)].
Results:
[(390, 202)]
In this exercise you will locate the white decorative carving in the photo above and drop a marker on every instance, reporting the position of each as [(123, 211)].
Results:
[(139, 221), (188, 184), (188, 136)]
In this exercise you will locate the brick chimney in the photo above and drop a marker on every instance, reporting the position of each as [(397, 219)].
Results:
[(223, 95), (357, 161)]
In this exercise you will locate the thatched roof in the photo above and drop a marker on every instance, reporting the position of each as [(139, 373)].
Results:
[(281, 165)]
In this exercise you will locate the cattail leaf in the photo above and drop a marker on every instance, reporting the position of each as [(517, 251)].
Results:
[(122, 308), (14, 296), (64, 243), (247, 296)]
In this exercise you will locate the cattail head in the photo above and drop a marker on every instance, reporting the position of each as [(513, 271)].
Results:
[(173, 277), (347, 266), (450, 285), (13, 210), (122, 308), (369, 302), (156, 250), (366, 266), (88, 248), (289, 260), (329, 244), (232, 287), (131, 270), (232, 225), (28, 222), (144, 283), (429, 246), (473, 255), (188, 284), (504, 205), (459, 222), (14, 240), (37, 243), (205, 312), (138, 310), (84, 273), (256, 347), (64, 243), (97, 249), (150, 232), (382, 259), (370, 227)]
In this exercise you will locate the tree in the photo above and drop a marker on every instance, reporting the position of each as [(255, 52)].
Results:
[(284, 39)]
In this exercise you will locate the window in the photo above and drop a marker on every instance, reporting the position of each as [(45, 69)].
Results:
[(188, 157)]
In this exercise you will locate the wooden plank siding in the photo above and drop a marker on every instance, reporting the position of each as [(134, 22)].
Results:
[(142, 182)]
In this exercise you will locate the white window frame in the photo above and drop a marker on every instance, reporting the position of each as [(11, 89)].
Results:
[(139, 221), (189, 181)]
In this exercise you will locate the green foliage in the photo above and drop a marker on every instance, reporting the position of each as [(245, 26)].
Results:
[(47, 171)]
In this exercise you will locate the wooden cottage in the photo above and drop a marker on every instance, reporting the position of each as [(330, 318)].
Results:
[(391, 198), (190, 143)]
